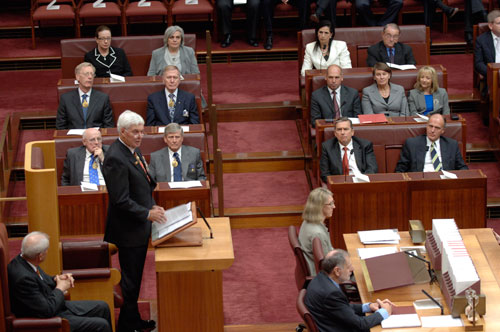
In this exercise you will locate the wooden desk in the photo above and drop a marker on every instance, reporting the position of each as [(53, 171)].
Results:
[(83, 213), (479, 243), (391, 199), (189, 281), (149, 130)]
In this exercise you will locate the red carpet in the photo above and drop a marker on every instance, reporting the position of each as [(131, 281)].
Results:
[(459, 68), (21, 47), (264, 189), (477, 132), (492, 171)]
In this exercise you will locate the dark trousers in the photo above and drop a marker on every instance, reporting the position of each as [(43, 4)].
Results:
[(391, 13), (225, 8), (97, 318), (472, 7), (430, 8), (132, 265), (268, 6), (329, 8)]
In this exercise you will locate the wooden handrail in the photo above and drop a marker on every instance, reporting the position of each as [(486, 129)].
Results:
[(12, 199), (219, 180)]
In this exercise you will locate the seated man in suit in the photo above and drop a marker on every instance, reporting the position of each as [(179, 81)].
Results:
[(345, 153), (390, 49), (334, 100), (485, 51), (329, 306), (431, 152), (176, 162), (84, 162), (84, 107), (33, 293), (171, 104)]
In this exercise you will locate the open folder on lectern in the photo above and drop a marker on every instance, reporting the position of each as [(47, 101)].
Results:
[(393, 270), (178, 219)]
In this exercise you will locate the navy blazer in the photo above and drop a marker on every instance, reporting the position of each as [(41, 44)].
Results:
[(322, 104), (118, 63), (484, 53), (70, 113), (403, 54), (331, 164), (186, 110), (412, 156), (332, 311)]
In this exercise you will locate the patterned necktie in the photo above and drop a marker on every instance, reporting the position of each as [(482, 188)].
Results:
[(391, 59), (336, 105), (177, 168), (85, 107), (345, 161), (93, 175), (139, 161), (38, 273), (435, 158), (171, 106)]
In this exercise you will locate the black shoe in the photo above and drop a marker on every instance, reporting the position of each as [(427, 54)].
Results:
[(148, 324), (269, 42), (452, 12), (314, 18), (253, 42), (468, 38), (227, 41)]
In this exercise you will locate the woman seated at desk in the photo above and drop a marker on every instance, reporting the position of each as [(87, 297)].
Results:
[(319, 206), (427, 97), (107, 59), (383, 96), (325, 51), (173, 53)]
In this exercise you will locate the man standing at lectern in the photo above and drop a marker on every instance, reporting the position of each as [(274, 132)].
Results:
[(131, 211), (431, 152)]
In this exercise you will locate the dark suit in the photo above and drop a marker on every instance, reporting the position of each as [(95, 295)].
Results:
[(332, 311), (484, 53), (322, 104), (31, 296), (70, 113), (73, 165), (412, 158), (225, 10), (130, 199), (191, 163), (158, 114), (331, 164), (115, 62), (403, 54)]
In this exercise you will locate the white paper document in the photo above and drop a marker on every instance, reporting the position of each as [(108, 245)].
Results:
[(380, 236), (395, 321), (143, 3), (359, 177), (52, 5), (440, 321), (365, 253), (75, 132), (113, 78), (176, 218), (87, 186), (401, 67), (240, 2), (355, 120), (99, 4), (426, 304), (448, 175), (184, 184)]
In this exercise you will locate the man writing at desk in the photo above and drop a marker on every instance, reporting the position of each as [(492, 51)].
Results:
[(330, 307), (176, 162), (84, 163), (431, 152), (345, 153)]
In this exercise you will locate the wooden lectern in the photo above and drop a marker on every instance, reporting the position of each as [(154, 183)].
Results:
[(189, 281)]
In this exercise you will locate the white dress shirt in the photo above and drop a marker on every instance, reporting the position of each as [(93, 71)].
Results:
[(496, 43)]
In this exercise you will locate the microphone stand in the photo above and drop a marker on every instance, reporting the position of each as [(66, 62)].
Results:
[(206, 222)]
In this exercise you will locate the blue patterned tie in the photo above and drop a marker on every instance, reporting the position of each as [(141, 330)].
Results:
[(93, 175), (435, 158), (85, 107), (177, 169), (171, 106)]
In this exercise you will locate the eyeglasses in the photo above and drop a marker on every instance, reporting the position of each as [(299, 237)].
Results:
[(88, 73), (104, 38), (332, 203)]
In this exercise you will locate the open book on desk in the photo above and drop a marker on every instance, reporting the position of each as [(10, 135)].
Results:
[(178, 219)]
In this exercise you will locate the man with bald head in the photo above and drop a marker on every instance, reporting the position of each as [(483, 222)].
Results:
[(334, 100), (84, 162), (330, 307), (33, 293), (431, 152)]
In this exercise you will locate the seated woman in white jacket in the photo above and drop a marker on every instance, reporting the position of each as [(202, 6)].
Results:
[(325, 51)]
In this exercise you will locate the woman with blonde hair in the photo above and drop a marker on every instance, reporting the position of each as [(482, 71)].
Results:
[(319, 207), (427, 97)]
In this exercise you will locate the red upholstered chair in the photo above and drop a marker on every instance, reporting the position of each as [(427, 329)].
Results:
[(88, 14), (177, 10), (304, 312), (8, 322), (66, 12), (132, 12), (317, 253), (302, 273)]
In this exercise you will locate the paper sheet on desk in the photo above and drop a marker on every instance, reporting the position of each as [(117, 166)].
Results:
[(426, 304), (421, 118), (395, 321), (113, 78), (359, 177), (440, 321), (77, 132), (380, 236), (401, 67), (87, 186), (184, 184), (448, 175), (355, 120), (184, 129), (365, 253)]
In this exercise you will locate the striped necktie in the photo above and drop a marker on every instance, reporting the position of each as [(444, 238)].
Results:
[(435, 158)]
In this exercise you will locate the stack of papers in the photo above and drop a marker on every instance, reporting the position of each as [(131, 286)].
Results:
[(381, 236), (176, 218), (184, 184)]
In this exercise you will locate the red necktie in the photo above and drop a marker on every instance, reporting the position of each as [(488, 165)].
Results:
[(336, 105), (345, 161)]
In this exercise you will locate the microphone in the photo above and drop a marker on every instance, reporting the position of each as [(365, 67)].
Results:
[(206, 222), (340, 107), (348, 169), (430, 270), (433, 300)]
